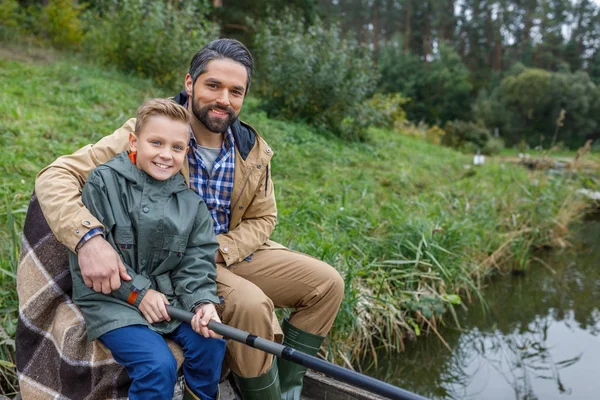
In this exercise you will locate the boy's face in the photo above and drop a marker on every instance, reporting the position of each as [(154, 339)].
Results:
[(161, 146)]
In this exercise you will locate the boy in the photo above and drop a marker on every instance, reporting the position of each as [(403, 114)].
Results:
[(164, 235)]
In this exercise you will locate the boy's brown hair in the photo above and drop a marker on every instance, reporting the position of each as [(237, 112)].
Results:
[(159, 107)]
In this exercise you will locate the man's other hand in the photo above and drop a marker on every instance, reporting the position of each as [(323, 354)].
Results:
[(101, 266)]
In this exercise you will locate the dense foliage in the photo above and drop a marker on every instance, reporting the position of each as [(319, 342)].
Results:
[(439, 92), (314, 74), (543, 108), (471, 138), (151, 38)]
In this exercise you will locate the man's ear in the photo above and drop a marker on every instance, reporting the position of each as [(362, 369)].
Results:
[(132, 142), (189, 84)]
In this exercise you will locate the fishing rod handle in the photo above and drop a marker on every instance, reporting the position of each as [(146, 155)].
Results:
[(230, 333)]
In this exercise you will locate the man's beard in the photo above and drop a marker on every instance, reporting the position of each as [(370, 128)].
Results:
[(213, 124)]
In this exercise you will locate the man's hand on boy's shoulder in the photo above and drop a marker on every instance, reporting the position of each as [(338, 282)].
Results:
[(204, 313), (101, 267), (153, 307)]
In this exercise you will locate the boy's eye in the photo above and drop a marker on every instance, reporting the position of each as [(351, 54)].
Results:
[(156, 142), (177, 147)]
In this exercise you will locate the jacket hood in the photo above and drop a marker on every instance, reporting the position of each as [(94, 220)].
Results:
[(243, 135), (122, 165)]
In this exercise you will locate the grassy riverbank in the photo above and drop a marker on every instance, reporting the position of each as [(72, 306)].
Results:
[(413, 228)]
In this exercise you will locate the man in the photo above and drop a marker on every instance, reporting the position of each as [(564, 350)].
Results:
[(229, 166)]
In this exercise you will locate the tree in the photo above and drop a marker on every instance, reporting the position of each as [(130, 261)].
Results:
[(527, 107), (440, 92)]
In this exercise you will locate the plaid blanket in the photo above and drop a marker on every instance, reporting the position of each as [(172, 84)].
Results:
[(54, 358)]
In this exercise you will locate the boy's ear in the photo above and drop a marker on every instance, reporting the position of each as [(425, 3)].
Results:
[(132, 142)]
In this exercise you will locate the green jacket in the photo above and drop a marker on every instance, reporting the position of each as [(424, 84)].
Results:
[(164, 235)]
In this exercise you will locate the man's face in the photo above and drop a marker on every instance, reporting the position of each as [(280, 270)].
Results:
[(161, 146), (218, 94)]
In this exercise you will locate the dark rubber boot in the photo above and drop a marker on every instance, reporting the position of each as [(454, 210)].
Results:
[(291, 375), (263, 387)]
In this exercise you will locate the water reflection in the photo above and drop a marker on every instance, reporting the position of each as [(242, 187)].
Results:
[(538, 340)]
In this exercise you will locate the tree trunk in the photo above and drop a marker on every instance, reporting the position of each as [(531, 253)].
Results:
[(407, 26), (376, 30)]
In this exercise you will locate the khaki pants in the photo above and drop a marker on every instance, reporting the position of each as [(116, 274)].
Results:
[(275, 278)]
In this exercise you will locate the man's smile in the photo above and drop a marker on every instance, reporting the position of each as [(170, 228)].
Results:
[(219, 112)]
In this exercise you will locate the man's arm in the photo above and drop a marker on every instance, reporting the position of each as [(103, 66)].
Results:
[(256, 227), (58, 188)]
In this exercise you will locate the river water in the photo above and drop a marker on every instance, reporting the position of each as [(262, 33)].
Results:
[(538, 339)]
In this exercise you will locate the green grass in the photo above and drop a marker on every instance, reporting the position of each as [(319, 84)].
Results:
[(560, 154), (413, 227)]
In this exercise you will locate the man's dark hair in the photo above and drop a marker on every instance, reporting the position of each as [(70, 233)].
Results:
[(218, 50)]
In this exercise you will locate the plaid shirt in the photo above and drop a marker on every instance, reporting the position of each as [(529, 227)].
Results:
[(215, 190)]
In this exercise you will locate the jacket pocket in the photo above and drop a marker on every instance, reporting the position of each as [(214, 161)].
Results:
[(171, 251), (164, 284), (124, 238), (175, 244)]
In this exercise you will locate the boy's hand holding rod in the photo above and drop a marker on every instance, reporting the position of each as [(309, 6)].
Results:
[(343, 374)]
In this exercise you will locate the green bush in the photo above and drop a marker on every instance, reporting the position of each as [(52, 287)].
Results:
[(150, 38), (470, 138), (60, 21), (542, 107), (390, 112), (9, 18), (493, 146), (314, 74), (440, 89)]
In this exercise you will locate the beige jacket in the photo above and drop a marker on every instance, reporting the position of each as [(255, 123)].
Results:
[(253, 208)]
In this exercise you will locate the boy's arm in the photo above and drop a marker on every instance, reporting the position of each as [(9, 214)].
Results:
[(194, 278), (257, 226), (95, 198)]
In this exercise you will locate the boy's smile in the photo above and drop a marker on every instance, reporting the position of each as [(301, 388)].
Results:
[(161, 147)]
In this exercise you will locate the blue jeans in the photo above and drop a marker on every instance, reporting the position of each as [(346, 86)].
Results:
[(152, 367)]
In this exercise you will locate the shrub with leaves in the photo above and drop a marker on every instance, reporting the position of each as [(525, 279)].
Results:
[(9, 18), (314, 74), (389, 109), (435, 134), (440, 89), (542, 107), (155, 39), (60, 21), (470, 137)]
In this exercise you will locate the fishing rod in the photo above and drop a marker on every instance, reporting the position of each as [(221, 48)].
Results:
[(287, 353)]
